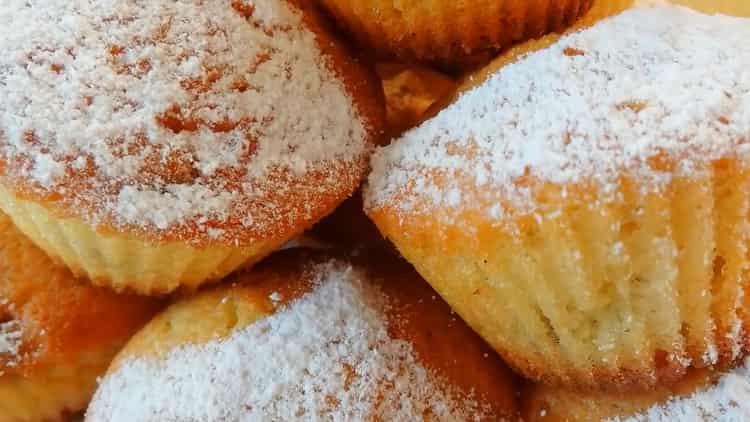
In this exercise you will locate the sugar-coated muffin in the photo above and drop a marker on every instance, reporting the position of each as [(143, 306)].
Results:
[(448, 31), (151, 145), (57, 333), (584, 207), (303, 336)]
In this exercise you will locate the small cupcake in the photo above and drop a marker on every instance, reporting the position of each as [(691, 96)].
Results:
[(57, 334), (156, 145), (451, 32), (307, 337), (584, 207)]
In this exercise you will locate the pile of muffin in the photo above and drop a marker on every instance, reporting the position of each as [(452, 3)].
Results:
[(560, 192)]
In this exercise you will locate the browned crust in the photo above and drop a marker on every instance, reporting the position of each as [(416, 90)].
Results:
[(62, 319), (450, 32), (288, 211), (441, 339)]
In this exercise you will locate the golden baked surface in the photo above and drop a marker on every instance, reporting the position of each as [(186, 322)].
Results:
[(56, 334), (551, 404), (256, 124), (704, 394), (127, 263), (315, 337), (449, 31), (577, 213)]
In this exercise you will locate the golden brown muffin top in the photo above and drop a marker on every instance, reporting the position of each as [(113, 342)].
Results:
[(455, 34), (50, 318), (301, 336), (654, 93), (202, 121)]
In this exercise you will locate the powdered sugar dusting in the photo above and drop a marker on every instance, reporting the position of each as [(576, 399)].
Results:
[(10, 336), (728, 400), (155, 113), (10, 342), (654, 92), (326, 356)]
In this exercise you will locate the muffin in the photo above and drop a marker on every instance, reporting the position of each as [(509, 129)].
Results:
[(156, 145), (703, 395), (584, 207), (57, 335), (447, 31), (308, 337)]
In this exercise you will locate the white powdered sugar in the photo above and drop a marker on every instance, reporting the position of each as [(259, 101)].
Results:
[(10, 342), (10, 337), (652, 93), (727, 401), (325, 356), (158, 113)]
